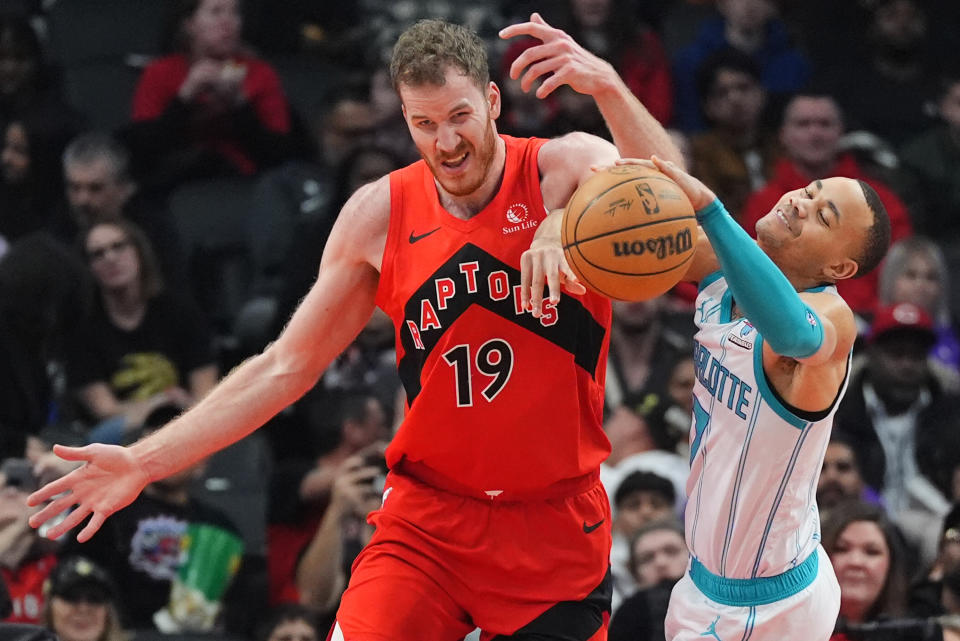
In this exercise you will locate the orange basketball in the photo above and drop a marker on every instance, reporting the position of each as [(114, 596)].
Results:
[(629, 232)]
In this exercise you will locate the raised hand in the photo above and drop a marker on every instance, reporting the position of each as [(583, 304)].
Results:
[(109, 479), (560, 60)]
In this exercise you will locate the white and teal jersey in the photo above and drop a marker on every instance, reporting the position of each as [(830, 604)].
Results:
[(754, 461)]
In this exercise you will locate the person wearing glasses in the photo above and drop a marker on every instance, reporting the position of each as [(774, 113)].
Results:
[(142, 345)]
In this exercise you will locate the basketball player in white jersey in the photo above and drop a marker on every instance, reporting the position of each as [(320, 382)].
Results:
[(772, 356)]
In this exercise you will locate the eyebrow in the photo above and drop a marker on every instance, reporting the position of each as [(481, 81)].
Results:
[(458, 107), (832, 205)]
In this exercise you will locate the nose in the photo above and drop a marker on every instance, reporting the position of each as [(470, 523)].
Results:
[(447, 138), (800, 205), (856, 559)]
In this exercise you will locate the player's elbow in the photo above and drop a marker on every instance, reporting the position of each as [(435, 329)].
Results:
[(293, 370), (826, 349), (800, 345)]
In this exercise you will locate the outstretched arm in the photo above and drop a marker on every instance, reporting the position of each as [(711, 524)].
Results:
[(790, 325), (330, 316), (565, 62)]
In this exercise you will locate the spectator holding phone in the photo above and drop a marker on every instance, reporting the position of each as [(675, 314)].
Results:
[(211, 108), (303, 490), (324, 568), (26, 557)]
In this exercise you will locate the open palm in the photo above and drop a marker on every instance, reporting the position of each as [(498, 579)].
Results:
[(110, 479)]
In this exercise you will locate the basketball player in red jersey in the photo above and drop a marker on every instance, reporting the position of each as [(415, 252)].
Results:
[(493, 515)]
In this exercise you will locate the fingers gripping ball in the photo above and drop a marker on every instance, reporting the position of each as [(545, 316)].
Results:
[(629, 232)]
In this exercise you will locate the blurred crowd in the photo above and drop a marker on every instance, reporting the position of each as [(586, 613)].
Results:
[(170, 171)]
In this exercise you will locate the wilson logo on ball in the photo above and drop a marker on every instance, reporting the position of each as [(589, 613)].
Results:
[(661, 246), (629, 232)]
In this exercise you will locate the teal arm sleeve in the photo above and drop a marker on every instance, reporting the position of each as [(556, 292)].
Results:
[(761, 291)]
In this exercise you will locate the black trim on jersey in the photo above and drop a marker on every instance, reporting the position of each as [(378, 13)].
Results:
[(808, 415), (575, 331), (569, 620)]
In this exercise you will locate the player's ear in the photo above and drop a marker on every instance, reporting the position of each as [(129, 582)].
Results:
[(493, 99), (841, 270)]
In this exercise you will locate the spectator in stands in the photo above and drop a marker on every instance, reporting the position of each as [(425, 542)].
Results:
[(926, 596), (658, 558), (324, 569), (641, 497), (100, 188), (142, 545), (733, 156), (389, 128), (841, 479), (751, 26), (344, 425), (31, 178), (646, 341), (28, 84), (81, 605), (212, 108), (332, 32), (42, 291), (522, 113), (932, 160), (608, 29), (894, 72), (658, 553), (951, 605), (26, 558), (900, 418), (809, 134), (868, 557), (915, 271), (644, 337), (293, 270), (143, 345)]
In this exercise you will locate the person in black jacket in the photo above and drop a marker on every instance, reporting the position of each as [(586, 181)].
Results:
[(895, 406)]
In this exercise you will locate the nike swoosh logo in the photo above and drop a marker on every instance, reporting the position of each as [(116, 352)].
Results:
[(590, 528), (414, 238)]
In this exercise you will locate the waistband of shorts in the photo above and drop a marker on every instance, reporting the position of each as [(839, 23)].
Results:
[(751, 592), (563, 488)]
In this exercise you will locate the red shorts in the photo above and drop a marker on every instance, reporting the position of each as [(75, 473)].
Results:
[(441, 564)]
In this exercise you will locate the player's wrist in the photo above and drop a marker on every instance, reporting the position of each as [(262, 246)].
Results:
[(713, 210)]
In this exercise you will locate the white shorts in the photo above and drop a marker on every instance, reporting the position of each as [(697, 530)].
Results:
[(809, 614)]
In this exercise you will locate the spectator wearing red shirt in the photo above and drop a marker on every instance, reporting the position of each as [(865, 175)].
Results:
[(212, 108), (809, 134), (26, 559)]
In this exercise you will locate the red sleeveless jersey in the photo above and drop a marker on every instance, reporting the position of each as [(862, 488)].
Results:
[(497, 400)]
